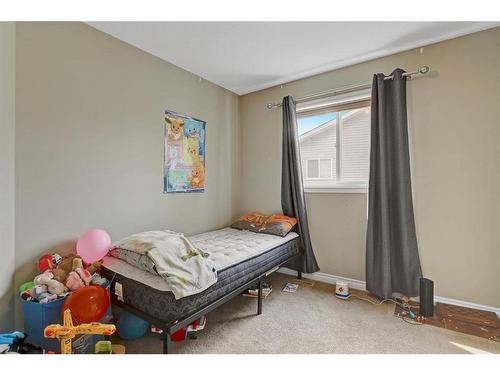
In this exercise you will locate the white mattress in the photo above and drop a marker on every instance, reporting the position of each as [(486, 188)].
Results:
[(227, 247)]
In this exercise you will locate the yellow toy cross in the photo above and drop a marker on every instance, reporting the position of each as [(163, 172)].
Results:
[(66, 332)]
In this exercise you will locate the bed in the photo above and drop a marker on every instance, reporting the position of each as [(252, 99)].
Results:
[(243, 259)]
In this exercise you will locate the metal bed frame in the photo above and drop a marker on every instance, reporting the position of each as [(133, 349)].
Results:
[(170, 327)]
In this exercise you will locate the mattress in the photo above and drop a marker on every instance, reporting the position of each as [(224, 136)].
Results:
[(240, 256)]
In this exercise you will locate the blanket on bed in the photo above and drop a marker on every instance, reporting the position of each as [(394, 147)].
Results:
[(186, 269)]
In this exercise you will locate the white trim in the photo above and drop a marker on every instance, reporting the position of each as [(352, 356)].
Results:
[(337, 189), (327, 278), (472, 305), (361, 285), (311, 184), (350, 97), (338, 147)]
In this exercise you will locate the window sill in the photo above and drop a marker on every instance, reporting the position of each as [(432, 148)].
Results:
[(342, 190)]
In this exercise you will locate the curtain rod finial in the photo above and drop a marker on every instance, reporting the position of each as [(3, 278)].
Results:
[(424, 69)]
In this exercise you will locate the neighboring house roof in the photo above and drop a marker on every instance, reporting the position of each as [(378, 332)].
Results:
[(320, 128)]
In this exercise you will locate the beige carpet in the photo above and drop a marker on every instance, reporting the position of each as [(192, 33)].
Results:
[(312, 320)]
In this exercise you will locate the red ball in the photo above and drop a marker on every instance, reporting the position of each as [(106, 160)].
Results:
[(87, 304)]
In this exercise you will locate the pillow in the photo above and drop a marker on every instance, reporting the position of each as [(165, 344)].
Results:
[(277, 224), (141, 261)]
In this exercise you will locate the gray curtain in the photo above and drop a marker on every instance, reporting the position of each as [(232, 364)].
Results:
[(392, 261), (292, 189)]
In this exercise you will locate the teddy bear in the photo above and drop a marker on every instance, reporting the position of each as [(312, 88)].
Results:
[(66, 265), (53, 286), (67, 262), (59, 274)]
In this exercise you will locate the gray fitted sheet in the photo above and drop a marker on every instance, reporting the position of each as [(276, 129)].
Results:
[(163, 306)]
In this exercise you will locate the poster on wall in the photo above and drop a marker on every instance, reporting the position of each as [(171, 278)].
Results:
[(184, 161)]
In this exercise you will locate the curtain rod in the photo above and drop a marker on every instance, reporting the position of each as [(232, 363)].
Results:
[(346, 89)]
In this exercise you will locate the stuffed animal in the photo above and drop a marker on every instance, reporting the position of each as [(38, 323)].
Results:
[(37, 290), (175, 128), (53, 286), (26, 295), (41, 294), (77, 263), (59, 274), (48, 261), (94, 268), (78, 278), (67, 263), (47, 297), (98, 280)]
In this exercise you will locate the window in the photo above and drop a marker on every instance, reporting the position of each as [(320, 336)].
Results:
[(319, 168), (334, 146)]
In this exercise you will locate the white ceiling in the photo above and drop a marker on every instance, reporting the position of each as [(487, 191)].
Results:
[(248, 56)]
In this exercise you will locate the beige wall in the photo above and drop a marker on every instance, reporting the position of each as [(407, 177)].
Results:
[(89, 141), (455, 136), (7, 178)]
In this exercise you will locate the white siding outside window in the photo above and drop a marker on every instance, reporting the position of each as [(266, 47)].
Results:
[(328, 165), (325, 168), (355, 146)]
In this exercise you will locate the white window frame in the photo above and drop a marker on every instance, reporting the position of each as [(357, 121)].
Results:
[(319, 178), (339, 187)]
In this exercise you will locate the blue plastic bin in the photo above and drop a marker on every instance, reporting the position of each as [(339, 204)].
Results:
[(39, 315)]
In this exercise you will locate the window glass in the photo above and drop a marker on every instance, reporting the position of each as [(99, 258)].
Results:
[(312, 169), (335, 147)]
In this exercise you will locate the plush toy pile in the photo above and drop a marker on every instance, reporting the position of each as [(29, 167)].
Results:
[(60, 276)]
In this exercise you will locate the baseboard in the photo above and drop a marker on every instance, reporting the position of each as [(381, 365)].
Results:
[(327, 278), (361, 285)]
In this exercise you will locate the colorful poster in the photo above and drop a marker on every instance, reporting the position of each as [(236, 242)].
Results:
[(184, 161)]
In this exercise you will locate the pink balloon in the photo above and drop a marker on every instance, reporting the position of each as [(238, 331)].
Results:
[(93, 245)]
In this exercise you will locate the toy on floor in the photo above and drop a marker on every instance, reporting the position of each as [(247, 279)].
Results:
[(189, 330), (131, 327), (15, 343), (342, 290), (103, 347), (66, 332)]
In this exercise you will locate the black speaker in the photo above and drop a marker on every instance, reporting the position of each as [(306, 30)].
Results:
[(426, 297)]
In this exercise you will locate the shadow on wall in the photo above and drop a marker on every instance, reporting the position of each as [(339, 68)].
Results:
[(27, 272)]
